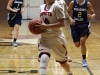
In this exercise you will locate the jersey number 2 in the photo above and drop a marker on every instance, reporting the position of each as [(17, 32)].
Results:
[(79, 14)]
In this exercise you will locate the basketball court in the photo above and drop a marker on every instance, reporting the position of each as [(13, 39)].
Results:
[(23, 60)]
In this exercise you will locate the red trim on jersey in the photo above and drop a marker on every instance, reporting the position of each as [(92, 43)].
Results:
[(65, 48), (61, 62), (45, 8)]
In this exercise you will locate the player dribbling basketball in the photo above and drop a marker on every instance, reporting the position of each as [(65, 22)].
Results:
[(52, 40)]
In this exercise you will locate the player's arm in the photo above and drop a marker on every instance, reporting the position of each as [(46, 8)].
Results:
[(91, 10), (69, 9), (58, 24), (23, 6), (8, 6)]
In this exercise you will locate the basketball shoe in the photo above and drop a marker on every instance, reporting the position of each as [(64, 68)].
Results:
[(84, 63), (14, 44)]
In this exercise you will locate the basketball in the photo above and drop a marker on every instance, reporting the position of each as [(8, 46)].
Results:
[(32, 28)]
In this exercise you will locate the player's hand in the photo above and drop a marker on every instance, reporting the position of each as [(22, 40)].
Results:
[(72, 22), (22, 11), (38, 29), (15, 10), (89, 16), (41, 26)]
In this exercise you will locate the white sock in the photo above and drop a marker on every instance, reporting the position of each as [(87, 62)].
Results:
[(43, 71)]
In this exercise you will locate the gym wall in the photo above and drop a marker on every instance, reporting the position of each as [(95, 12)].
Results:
[(4, 11)]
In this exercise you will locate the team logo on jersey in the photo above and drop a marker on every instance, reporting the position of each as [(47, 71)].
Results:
[(46, 13), (80, 9)]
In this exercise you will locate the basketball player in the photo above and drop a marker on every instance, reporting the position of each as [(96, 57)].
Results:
[(16, 8), (79, 23), (52, 40)]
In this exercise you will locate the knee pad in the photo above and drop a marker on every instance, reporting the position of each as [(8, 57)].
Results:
[(44, 61), (43, 64)]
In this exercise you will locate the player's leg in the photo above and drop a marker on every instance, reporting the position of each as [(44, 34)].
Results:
[(83, 49), (66, 67), (44, 59), (44, 52), (80, 42), (84, 35), (10, 22), (16, 33), (18, 22), (60, 52), (11, 31), (75, 36)]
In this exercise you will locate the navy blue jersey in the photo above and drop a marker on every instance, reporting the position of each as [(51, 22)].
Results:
[(80, 11), (17, 4)]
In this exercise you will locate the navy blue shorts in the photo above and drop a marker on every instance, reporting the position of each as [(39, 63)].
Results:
[(14, 19), (80, 30)]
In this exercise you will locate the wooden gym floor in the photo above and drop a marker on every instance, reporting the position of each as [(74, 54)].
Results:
[(23, 60)]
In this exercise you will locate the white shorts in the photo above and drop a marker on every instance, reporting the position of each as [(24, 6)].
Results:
[(54, 46)]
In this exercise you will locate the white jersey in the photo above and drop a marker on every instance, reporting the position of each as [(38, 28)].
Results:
[(49, 17), (61, 3), (52, 40)]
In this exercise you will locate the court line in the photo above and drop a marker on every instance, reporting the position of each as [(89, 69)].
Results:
[(88, 69), (4, 50), (95, 34), (96, 43), (14, 71)]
